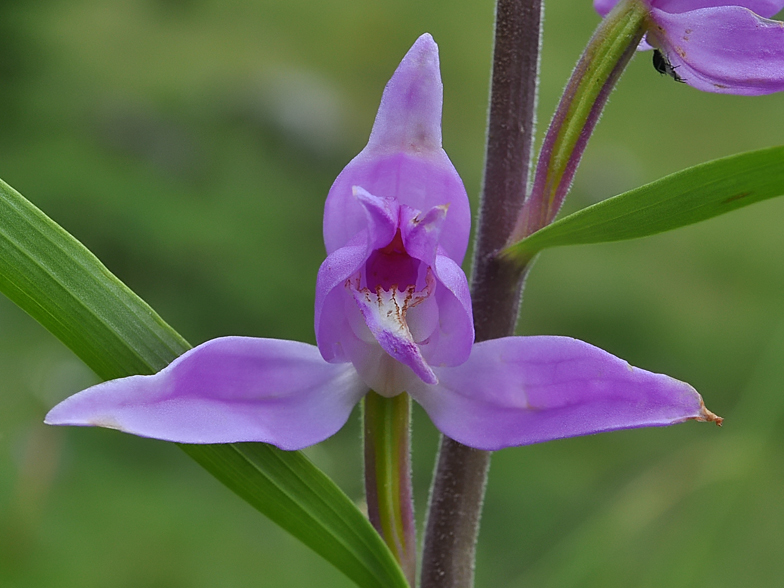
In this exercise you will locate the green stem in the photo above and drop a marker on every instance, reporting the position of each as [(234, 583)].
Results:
[(608, 52), (388, 475)]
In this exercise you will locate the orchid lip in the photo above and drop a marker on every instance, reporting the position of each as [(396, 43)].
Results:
[(385, 312)]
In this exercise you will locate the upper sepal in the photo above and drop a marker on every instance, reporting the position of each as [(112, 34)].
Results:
[(403, 158), (409, 116)]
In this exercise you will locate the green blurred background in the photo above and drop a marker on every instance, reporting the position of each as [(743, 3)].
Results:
[(190, 144)]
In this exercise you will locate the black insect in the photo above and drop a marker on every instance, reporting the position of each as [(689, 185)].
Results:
[(664, 67)]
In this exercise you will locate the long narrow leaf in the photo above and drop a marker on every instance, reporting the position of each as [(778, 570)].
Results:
[(306, 503), (65, 288), (61, 284), (686, 197)]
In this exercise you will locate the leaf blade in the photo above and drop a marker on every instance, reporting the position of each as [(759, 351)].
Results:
[(59, 282), (683, 198), (319, 506), (40, 263)]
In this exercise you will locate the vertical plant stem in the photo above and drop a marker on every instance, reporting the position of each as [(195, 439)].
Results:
[(453, 519), (387, 424), (495, 288), (461, 473)]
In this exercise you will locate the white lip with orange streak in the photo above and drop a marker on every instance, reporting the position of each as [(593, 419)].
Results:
[(385, 311)]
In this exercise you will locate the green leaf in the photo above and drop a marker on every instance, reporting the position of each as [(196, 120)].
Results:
[(689, 196), (66, 288), (299, 497)]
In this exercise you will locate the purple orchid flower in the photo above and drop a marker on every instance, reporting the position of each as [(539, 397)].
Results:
[(393, 314), (724, 46)]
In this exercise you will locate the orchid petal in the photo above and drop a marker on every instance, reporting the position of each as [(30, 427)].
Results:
[(403, 158), (331, 312), (421, 232), (352, 324), (523, 390), (227, 390), (437, 327), (766, 8), (450, 341), (726, 49), (382, 217)]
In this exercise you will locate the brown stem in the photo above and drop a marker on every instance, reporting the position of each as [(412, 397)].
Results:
[(461, 473)]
